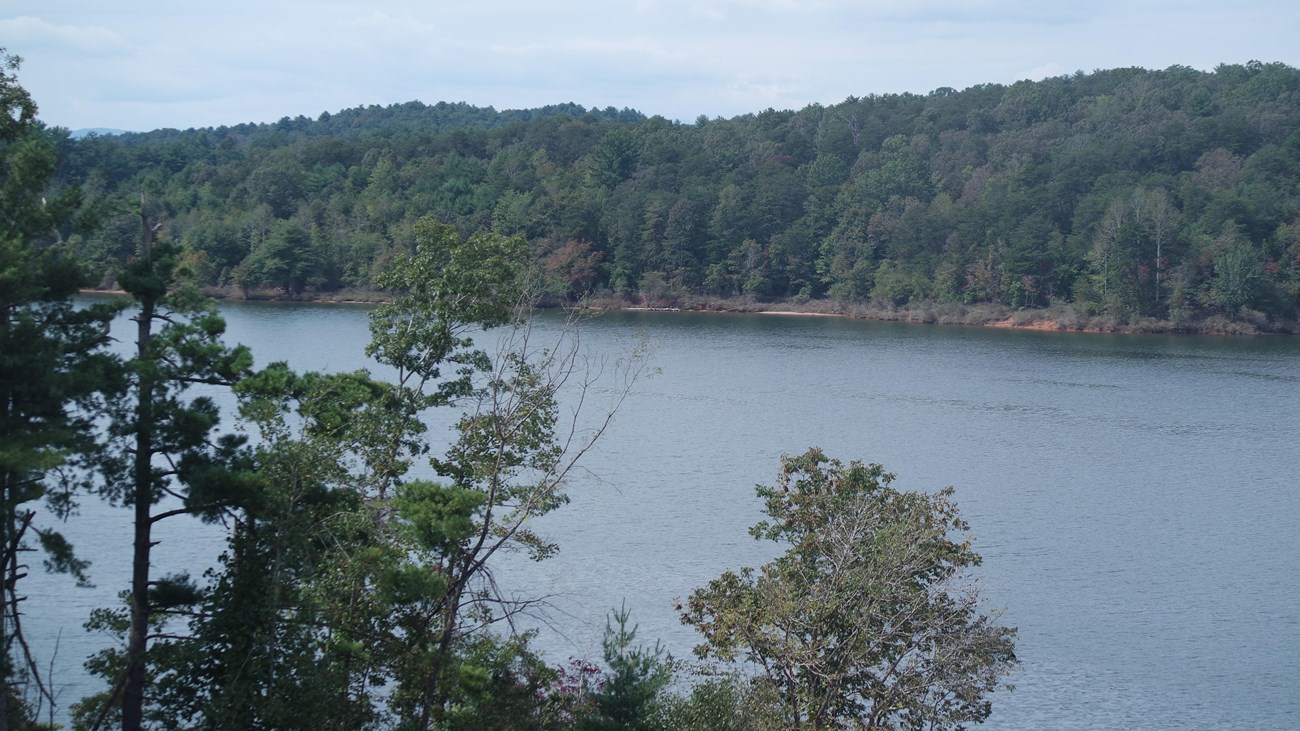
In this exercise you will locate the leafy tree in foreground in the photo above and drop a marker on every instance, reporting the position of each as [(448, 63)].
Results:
[(354, 592), (868, 620), (513, 451), (723, 703)]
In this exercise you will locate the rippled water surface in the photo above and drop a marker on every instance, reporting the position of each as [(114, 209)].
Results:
[(1135, 498)]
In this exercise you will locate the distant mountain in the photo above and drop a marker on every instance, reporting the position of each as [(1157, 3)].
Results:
[(100, 131)]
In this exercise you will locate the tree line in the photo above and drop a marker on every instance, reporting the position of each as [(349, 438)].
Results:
[(1123, 193)]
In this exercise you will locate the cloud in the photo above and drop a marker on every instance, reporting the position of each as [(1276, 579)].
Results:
[(28, 31), (1045, 71), (776, 93)]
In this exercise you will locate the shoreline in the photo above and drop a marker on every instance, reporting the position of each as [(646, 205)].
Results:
[(1052, 319)]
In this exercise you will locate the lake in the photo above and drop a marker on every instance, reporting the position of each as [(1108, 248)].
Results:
[(1135, 498)]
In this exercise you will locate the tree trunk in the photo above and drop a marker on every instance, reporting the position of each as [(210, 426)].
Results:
[(448, 633), (142, 497)]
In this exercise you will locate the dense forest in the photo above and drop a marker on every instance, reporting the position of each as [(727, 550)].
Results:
[(1124, 196)]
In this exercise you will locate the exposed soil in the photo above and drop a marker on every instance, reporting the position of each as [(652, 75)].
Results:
[(1056, 319)]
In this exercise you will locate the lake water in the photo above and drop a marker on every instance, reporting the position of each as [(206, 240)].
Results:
[(1135, 498)]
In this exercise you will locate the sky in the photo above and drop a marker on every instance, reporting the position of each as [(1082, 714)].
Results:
[(145, 64)]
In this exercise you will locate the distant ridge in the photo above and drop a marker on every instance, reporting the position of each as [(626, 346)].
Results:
[(100, 131)]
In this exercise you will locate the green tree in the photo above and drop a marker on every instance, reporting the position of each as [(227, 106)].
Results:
[(1238, 272), (901, 172), (263, 649), (286, 260), (1112, 257), (345, 574), (612, 160), (727, 702), (867, 620), (52, 368), (17, 108), (164, 458), (446, 289), (277, 184), (630, 695), (505, 469)]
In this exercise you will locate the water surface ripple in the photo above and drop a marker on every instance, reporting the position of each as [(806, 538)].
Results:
[(1134, 497)]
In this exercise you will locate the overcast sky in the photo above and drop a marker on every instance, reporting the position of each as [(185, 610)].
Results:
[(145, 64)]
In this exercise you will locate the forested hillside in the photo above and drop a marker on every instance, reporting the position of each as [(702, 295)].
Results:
[(1129, 193)]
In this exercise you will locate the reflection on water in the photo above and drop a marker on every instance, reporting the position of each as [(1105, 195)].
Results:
[(1134, 496)]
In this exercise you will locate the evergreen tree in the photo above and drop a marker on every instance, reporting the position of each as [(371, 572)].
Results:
[(635, 679), (52, 367), (164, 457)]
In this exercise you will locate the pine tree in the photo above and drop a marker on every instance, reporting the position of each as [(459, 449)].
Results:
[(52, 366), (164, 458)]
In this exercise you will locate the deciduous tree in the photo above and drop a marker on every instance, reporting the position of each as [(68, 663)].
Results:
[(868, 619), (347, 571)]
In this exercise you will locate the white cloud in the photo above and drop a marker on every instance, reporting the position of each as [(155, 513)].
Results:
[(1042, 72)]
